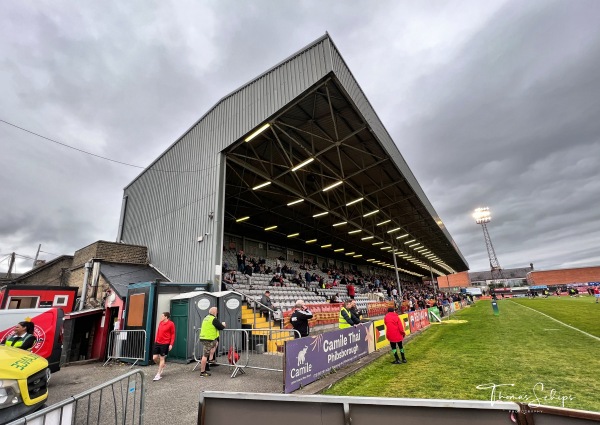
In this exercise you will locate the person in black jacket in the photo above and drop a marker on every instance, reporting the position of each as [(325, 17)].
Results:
[(299, 319)]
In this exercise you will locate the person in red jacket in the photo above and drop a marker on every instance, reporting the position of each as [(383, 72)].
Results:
[(165, 338), (394, 332)]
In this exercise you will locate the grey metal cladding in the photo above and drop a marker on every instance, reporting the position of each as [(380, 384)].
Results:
[(169, 202)]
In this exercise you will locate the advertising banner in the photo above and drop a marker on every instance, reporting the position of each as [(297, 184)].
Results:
[(434, 314), (414, 324), (447, 311), (422, 316), (307, 359), (379, 337), (406, 321)]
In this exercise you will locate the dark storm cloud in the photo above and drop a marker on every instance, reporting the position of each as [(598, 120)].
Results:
[(507, 91)]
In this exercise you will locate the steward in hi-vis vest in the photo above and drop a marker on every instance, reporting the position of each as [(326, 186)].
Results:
[(209, 337), (345, 319), (208, 331), (23, 337)]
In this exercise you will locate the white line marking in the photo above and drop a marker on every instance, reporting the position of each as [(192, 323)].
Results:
[(562, 323)]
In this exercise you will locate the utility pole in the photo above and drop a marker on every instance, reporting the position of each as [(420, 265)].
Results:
[(37, 255), (11, 263)]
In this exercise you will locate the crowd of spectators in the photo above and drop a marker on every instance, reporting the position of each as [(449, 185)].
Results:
[(412, 294)]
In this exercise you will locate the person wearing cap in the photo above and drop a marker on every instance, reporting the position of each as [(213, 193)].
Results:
[(394, 332), (299, 319)]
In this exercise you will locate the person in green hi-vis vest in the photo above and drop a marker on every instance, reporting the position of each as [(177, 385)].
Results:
[(209, 336), (22, 338)]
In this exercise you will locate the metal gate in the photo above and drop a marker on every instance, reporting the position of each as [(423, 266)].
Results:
[(255, 348), (119, 401), (127, 345)]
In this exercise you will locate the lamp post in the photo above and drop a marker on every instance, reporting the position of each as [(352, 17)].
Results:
[(483, 216)]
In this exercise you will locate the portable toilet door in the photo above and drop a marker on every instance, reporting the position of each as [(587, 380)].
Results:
[(230, 312), (200, 303), (179, 316)]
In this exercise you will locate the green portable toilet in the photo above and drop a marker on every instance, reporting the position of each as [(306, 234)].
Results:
[(187, 312)]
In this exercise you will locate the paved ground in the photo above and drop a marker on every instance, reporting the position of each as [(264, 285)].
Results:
[(176, 396), (174, 399)]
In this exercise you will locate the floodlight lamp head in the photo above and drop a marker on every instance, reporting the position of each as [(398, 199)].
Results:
[(482, 215)]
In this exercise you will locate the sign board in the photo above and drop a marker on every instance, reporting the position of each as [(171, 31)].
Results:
[(307, 359)]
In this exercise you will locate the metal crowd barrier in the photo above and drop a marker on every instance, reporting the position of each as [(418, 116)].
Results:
[(130, 345), (249, 349), (120, 401)]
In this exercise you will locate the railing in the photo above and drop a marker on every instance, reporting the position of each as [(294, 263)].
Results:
[(129, 344), (120, 401), (272, 313), (248, 349)]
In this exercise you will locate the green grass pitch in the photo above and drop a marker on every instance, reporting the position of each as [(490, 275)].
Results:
[(527, 356)]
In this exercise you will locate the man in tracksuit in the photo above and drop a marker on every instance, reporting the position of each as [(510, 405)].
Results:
[(209, 334), (299, 319)]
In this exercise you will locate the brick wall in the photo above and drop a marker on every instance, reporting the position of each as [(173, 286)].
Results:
[(556, 277), (111, 251), (454, 280), (76, 280)]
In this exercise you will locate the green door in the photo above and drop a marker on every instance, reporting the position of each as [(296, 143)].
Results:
[(179, 316)]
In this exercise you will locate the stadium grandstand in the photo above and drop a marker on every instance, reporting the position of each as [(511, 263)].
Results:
[(296, 170)]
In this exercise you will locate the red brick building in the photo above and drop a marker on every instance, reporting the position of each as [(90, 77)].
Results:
[(564, 276)]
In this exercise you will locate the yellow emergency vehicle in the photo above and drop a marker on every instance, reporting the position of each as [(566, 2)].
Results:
[(23, 383)]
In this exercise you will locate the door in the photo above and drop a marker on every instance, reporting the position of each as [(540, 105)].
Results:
[(179, 316)]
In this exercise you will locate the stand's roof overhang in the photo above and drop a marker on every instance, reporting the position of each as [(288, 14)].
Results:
[(315, 177)]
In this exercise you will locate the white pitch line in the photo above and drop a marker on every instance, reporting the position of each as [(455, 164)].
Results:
[(562, 323)]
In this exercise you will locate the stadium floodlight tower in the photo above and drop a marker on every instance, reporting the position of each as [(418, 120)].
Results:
[(483, 216)]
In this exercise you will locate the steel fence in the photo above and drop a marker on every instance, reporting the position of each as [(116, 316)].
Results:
[(241, 349), (127, 345), (120, 401)]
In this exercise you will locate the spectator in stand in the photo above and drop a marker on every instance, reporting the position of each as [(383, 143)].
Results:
[(266, 304), (351, 291), (165, 338), (356, 314), (299, 319), (241, 261), (229, 278), (394, 332), (336, 298)]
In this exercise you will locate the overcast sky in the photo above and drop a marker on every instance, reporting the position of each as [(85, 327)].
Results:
[(491, 103)]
